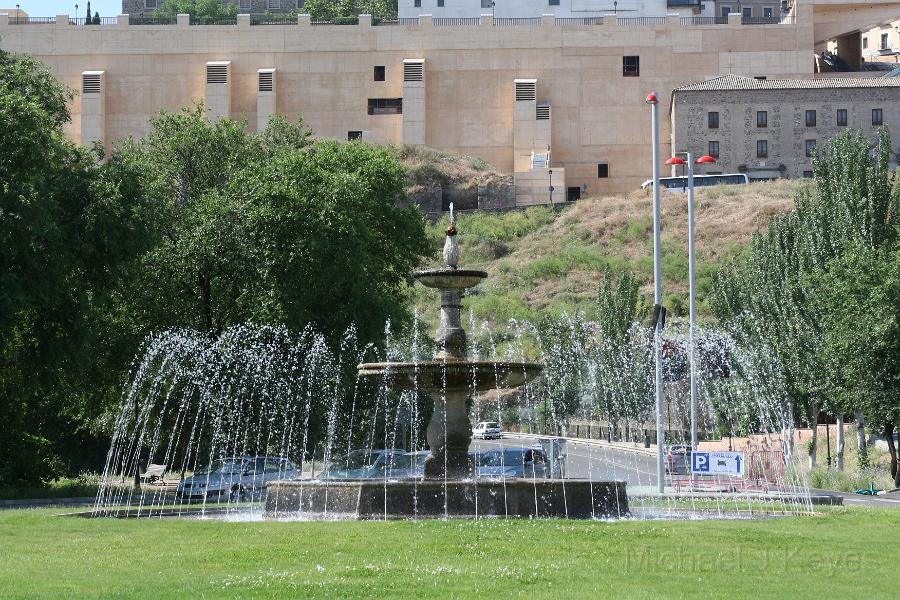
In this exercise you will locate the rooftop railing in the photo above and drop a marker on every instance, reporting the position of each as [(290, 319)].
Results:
[(303, 20)]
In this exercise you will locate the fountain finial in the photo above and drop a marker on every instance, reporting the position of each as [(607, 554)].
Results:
[(451, 247)]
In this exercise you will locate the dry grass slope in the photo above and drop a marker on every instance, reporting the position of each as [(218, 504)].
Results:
[(546, 262)]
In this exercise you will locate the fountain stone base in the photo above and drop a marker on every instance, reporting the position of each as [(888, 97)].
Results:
[(373, 499)]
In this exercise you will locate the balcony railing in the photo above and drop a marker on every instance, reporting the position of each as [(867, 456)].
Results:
[(213, 20), (578, 21), (151, 20), (32, 20), (456, 21), (273, 19), (516, 21), (103, 21), (635, 21), (703, 20)]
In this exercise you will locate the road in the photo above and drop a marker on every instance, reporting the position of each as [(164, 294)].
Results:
[(590, 461)]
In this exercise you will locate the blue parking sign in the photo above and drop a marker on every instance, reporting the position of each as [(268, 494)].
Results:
[(700, 462)]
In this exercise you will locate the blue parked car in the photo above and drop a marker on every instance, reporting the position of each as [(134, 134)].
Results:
[(235, 479), (363, 464)]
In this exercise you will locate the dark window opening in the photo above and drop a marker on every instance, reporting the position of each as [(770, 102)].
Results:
[(713, 149), (602, 170), (554, 3), (440, 3), (762, 149), (631, 66), (385, 106), (573, 194), (354, 135), (877, 117), (842, 117), (712, 120), (810, 148), (810, 118), (379, 73), (807, 174), (762, 118), (417, 3)]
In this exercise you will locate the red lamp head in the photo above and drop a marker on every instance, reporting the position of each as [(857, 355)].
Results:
[(705, 160), (651, 98), (675, 161)]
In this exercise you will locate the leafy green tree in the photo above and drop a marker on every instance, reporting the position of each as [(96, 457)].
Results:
[(796, 290), (66, 234), (197, 8), (327, 10)]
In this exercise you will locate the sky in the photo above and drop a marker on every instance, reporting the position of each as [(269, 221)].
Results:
[(51, 8)]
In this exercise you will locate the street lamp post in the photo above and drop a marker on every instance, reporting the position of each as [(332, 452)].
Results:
[(703, 160), (653, 101)]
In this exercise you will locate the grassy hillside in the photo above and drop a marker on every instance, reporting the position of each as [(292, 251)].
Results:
[(546, 262)]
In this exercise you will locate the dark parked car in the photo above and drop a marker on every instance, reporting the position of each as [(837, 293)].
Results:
[(678, 460), (238, 478), (513, 462)]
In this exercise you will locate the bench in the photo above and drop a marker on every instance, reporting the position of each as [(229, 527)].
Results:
[(153, 473)]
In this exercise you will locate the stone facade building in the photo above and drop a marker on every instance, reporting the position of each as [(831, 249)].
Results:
[(770, 128), (754, 9), (882, 43), (565, 95)]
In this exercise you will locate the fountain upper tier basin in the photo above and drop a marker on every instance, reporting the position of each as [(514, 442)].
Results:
[(449, 278), (438, 375)]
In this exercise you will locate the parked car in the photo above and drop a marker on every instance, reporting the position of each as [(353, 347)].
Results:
[(554, 450), (237, 478), (410, 465), (678, 460), (363, 464), (487, 430), (513, 462)]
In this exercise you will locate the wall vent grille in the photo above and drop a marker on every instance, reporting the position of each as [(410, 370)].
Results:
[(216, 73), (526, 90), (413, 71), (266, 81), (90, 83), (542, 113)]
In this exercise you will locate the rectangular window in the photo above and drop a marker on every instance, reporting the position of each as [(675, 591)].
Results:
[(762, 149), (385, 106), (877, 117), (807, 174), (767, 13), (726, 10), (273, 4), (712, 120), (440, 3), (379, 73), (841, 117), (810, 118), (486, 3), (354, 135), (762, 118), (245, 5), (554, 3), (865, 43), (748, 12), (602, 170), (884, 41), (631, 66), (417, 3), (713, 149), (810, 148), (150, 3)]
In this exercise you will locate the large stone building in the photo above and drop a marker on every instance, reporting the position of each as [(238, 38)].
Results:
[(882, 43), (533, 9), (770, 128), (563, 93), (754, 9)]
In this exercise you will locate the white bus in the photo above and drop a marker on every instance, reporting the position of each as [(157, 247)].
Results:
[(679, 184)]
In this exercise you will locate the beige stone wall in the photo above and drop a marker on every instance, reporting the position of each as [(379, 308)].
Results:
[(786, 132), (325, 73)]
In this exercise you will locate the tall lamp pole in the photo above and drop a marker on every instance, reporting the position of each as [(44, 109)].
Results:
[(653, 101), (703, 160)]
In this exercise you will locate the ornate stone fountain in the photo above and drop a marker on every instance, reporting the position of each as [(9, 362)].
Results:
[(450, 377), (450, 486)]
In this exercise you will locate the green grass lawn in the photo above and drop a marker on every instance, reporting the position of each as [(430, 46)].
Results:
[(842, 553)]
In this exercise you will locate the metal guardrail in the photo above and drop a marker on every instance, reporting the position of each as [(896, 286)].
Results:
[(32, 20), (578, 21), (633, 21), (273, 19), (787, 20), (213, 20), (703, 20), (455, 21), (516, 21), (152, 20), (103, 21)]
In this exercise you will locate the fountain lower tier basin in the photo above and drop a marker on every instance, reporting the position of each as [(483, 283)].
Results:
[(370, 499), (437, 375)]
